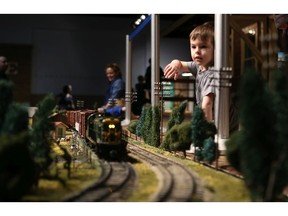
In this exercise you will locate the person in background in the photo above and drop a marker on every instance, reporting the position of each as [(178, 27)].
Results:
[(115, 93), (3, 67), (148, 79), (202, 54), (66, 100), (141, 96)]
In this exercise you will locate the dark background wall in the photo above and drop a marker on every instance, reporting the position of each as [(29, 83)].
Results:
[(54, 50)]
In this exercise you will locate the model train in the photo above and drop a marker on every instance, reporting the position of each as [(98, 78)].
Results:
[(102, 133)]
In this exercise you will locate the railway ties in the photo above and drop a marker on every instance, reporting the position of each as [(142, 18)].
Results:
[(177, 183), (114, 184)]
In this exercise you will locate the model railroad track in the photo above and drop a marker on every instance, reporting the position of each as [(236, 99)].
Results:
[(114, 184), (177, 183)]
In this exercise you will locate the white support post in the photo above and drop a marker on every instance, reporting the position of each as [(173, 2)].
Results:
[(222, 94), (155, 57), (128, 93)]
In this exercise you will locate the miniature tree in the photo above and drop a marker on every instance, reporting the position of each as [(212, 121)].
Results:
[(171, 137), (178, 138), (146, 128), (201, 130), (184, 138), (41, 134), (155, 127), (16, 119), (177, 115), (141, 122), (278, 175), (17, 168), (209, 149), (132, 126), (256, 140)]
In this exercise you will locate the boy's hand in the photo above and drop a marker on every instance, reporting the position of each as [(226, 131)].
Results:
[(171, 70)]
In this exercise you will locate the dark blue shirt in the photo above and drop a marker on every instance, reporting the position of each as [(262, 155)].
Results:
[(116, 90)]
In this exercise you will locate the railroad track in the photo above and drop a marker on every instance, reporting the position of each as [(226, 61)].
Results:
[(115, 183), (177, 183)]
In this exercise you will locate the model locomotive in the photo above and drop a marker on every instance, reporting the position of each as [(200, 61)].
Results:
[(102, 133)]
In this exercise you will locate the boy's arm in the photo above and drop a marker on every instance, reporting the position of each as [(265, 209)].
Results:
[(207, 104), (174, 67)]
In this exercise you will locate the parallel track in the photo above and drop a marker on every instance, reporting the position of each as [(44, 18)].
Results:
[(177, 183)]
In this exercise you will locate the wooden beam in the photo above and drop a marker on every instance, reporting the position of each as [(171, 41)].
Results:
[(248, 42)]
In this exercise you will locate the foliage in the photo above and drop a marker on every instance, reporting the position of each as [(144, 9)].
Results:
[(145, 130), (132, 126), (209, 150), (233, 150), (141, 121), (171, 136), (279, 165), (177, 115), (198, 125), (202, 130), (178, 138), (256, 139), (16, 119), (41, 134), (17, 168), (155, 127)]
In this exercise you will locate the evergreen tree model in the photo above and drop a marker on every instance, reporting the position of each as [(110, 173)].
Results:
[(141, 122), (146, 128), (278, 176), (155, 127), (41, 140), (177, 116), (17, 168), (256, 140), (201, 130)]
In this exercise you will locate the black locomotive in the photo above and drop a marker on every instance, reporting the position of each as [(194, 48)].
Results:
[(102, 133)]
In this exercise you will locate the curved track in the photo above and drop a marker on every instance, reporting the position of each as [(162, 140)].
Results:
[(114, 184), (177, 183)]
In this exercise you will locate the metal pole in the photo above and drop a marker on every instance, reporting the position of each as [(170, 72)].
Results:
[(222, 94), (128, 93), (155, 57)]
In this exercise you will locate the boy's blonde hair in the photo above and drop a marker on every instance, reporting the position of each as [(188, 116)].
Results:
[(204, 31)]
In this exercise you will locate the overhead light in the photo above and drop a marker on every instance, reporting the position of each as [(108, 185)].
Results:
[(139, 20)]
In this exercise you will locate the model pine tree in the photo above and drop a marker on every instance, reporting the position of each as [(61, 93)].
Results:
[(178, 114), (17, 168), (146, 128), (278, 175), (256, 142), (155, 127), (41, 134), (141, 122), (201, 130)]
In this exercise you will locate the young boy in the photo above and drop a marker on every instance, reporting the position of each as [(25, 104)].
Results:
[(202, 53)]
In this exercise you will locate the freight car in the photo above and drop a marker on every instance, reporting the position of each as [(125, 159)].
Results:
[(103, 133)]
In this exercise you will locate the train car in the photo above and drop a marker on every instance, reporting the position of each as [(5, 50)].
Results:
[(105, 135)]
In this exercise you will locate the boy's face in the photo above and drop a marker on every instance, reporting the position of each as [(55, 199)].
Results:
[(202, 52)]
